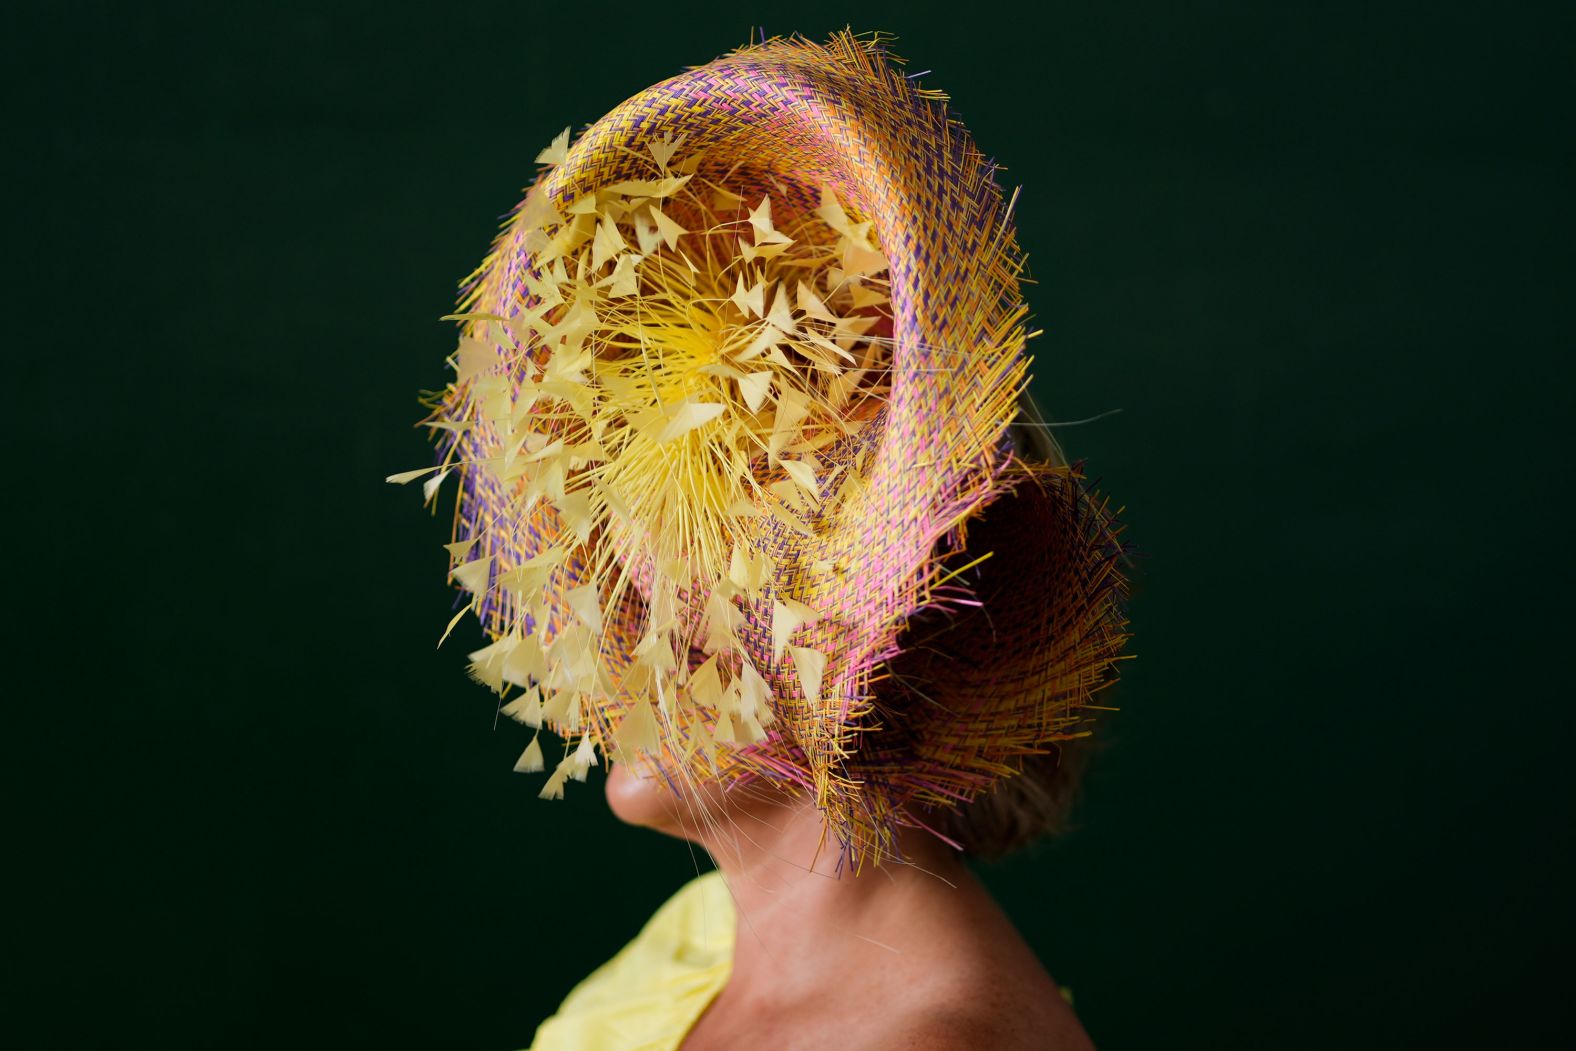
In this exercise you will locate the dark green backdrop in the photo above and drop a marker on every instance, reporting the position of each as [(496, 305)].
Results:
[(1312, 253)]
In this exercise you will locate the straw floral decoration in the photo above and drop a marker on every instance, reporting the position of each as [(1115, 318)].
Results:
[(728, 392)]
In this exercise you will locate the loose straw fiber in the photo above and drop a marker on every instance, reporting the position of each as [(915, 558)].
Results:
[(730, 411)]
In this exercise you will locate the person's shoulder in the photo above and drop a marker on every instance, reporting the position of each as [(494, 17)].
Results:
[(973, 1026), (981, 1003)]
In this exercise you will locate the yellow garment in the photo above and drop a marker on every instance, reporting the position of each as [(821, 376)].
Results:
[(648, 996)]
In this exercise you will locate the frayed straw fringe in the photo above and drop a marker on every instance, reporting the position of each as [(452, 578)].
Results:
[(732, 391)]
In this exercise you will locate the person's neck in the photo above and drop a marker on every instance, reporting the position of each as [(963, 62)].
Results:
[(782, 869)]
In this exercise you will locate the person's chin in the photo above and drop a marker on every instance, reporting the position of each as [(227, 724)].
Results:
[(639, 800)]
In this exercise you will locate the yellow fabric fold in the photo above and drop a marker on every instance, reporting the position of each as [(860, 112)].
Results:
[(649, 995)]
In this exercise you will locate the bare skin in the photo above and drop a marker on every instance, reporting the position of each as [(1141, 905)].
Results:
[(904, 956)]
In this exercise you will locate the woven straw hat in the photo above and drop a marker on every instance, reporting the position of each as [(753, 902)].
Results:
[(730, 413)]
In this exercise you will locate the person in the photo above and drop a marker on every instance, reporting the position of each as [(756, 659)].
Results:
[(753, 505)]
